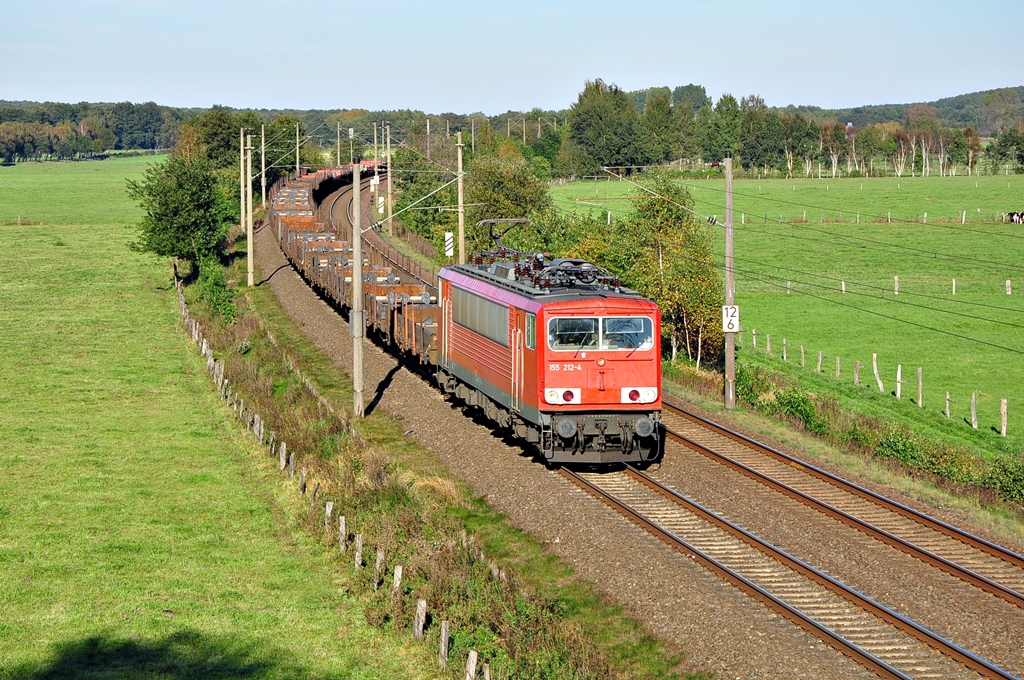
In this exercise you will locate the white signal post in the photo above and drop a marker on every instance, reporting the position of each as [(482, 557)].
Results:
[(730, 312), (356, 324)]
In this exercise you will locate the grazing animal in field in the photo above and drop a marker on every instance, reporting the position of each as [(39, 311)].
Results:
[(1016, 217)]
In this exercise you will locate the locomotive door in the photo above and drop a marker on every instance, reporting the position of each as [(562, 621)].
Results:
[(517, 360)]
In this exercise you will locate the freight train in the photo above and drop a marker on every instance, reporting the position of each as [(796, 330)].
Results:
[(555, 352)]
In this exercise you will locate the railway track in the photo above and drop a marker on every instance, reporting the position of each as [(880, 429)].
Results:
[(375, 246), (878, 638), (974, 560)]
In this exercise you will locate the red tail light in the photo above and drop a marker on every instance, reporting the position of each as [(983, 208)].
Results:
[(567, 396), (634, 395)]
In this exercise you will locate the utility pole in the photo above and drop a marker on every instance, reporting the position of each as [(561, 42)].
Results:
[(472, 132), (298, 165), (376, 157), (428, 139), (356, 324), (263, 164), (730, 290), (248, 206), (391, 229), (241, 176), (462, 206), (524, 130), (351, 136), (338, 136)]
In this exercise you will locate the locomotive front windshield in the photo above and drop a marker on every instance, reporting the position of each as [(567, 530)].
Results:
[(608, 333)]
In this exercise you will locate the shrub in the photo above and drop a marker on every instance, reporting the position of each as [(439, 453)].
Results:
[(797, 403), (899, 444), (751, 383), (1005, 476), (215, 292)]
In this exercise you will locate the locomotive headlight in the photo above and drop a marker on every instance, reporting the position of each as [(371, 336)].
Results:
[(644, 427), (650, 395), (601, 362), (551, 396)]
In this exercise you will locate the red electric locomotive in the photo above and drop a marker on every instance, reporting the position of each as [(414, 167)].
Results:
[(557, 351)]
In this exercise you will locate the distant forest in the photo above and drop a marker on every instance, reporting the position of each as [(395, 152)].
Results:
[(50, 130)]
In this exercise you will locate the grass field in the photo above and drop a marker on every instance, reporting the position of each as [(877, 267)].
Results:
[(973, 342), (139, 535)]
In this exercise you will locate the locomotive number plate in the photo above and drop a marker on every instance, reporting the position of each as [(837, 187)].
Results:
[(565, 367)]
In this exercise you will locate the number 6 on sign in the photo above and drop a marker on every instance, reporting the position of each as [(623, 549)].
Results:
[(730, 319)]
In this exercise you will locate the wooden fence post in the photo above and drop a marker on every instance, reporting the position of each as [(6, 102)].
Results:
[(784, 349), (843, 287), (377, 566), (789, 287), (342, 534), (837, 367), (419, 620), (954, 286), (396, 581), (974, 410), (753, 334), (856, 372), (818, 369), (802, 364), (328, 510), (442, 652), (920, 387), (487, 672), (291, 464), (899, 379), (1002, 415), (1008, 289), (895, 285), (471, 665), (874, 366), (768, 343), (359, 551), (284, 456), (948, 400)]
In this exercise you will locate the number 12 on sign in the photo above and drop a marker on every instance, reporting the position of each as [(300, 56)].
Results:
[(730, 319)]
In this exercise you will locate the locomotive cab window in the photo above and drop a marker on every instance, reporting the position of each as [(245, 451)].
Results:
[(573, 333), (531, 331), (634, 332)]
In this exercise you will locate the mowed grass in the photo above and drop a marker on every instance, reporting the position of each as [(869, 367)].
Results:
[(82, 193), (141, 535), (973, 342)]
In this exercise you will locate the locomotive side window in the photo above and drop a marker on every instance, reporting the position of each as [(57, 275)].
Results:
[(480, 315), (572, 333), (627, 333), (531, 331)]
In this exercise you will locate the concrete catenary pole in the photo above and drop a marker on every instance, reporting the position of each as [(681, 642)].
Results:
[(356, 323), (248, 208), (338, 135), (730, 289), (241, 176), (297, 164), (391, 211), (462, 206), (263, 165)]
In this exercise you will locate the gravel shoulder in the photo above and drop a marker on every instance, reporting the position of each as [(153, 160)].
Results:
[(720, 629)]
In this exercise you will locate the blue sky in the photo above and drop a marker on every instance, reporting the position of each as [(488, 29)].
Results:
[(477, 56)]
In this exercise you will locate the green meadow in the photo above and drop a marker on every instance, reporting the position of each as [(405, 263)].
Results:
[(833, 231), (140, 533)]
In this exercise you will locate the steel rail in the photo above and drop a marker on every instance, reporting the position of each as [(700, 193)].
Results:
[(804, 621), (992, 549), (994, 587)]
